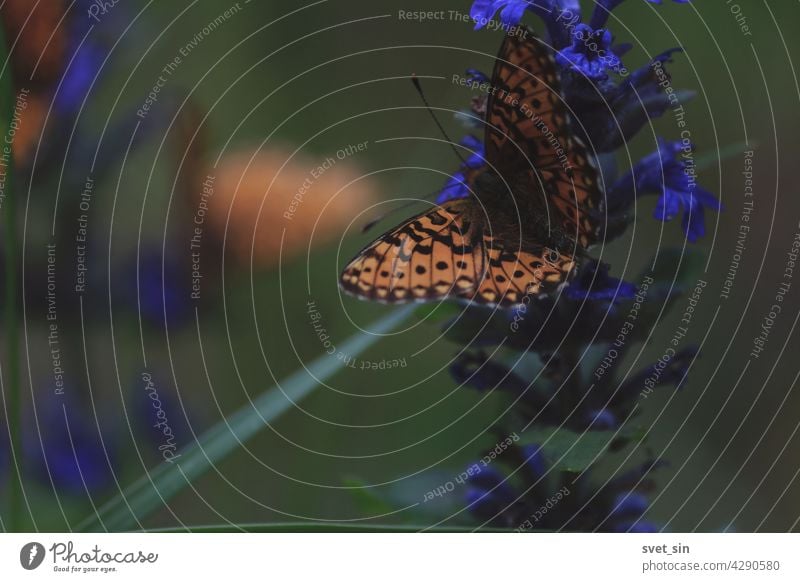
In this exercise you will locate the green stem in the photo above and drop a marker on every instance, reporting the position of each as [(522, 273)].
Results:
[(12, 384), (150, 492), (14, 409)]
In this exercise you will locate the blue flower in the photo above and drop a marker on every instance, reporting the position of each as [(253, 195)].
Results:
[(560, 363), (85, 63), (669, 172), (590, 53), (457, 186), (491, 497), (602, 419), (488, 490), (474, 76), (540, 498), (69, 451), (511, 11), (610, 113), (550, 11), (593, 282), (545, 394), (627, 511)]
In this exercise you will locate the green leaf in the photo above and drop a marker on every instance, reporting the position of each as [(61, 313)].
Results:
[(566, 450), (152, 491), (367, 501)]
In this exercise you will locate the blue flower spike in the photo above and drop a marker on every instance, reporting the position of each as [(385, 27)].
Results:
[(669, 172)]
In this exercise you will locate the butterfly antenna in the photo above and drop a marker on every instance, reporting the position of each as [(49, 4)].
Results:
[(418, 87)]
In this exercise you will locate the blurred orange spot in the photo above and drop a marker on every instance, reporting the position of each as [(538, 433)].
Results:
[(38, 40), (310, 200)]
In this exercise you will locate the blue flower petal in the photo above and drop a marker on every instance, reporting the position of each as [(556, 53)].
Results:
[(594, 283), (68, 450), (457, 186), (630, 505), (668, 174), (535, 459), (602, 419), (512, 13)]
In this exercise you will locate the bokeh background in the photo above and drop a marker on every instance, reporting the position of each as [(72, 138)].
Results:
[(255, 104)]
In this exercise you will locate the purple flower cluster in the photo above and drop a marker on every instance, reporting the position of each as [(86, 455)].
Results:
[(558, 359), (609, 103)]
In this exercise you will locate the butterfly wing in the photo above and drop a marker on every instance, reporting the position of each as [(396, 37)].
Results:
[(427, 257), (511, 274), (449, 252), (528, 131)]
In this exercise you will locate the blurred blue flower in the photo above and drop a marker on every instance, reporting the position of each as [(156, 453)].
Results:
[(84, 63), (155, 286), (67, 449), (669, 172)]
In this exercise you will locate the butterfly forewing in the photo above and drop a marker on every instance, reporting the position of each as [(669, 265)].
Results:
[(528, 131)]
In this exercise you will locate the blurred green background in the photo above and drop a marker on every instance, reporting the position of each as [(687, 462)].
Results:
[(280, 77)]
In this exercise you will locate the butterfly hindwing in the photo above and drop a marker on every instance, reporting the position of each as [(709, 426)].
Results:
[(427, 257), (446, 252)]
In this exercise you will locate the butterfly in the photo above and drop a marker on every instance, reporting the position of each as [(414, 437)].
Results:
[(532, 212)]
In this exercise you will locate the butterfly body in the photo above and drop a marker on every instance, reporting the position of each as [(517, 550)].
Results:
[(532, 209), (521, 213)]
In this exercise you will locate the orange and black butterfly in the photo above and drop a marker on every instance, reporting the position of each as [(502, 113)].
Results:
[(533, 208)]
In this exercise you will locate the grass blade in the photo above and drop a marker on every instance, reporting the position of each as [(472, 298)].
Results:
[(153, 490)]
